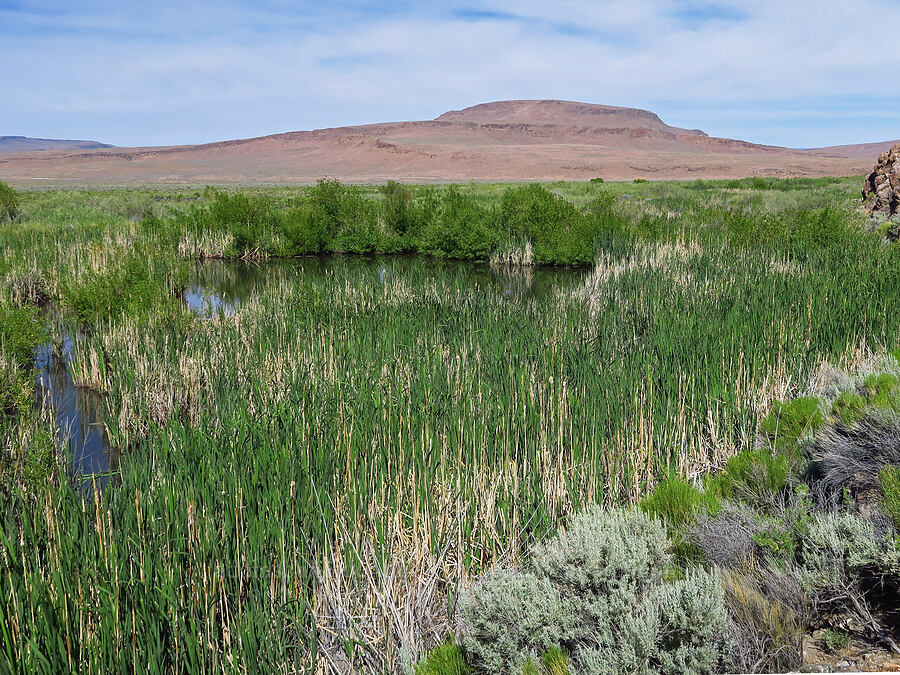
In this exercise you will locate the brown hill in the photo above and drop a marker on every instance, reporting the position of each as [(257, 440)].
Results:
[(568, 113), (508, 141), (869, 151)]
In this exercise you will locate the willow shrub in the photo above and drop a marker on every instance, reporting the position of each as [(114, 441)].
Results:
[(461, 227), (134, 285), (9, 202)]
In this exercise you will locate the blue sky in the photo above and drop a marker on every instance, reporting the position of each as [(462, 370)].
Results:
[(802, 73)]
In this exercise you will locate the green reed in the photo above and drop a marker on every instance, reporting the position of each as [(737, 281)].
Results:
[(307, 479)]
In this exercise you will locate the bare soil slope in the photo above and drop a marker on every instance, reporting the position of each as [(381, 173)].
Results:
[(869, 151), (504, 141)]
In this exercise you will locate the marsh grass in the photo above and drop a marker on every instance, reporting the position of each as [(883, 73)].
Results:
[(308, 478)]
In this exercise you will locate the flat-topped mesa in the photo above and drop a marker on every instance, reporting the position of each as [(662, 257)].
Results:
[(883, 184), (562, 113)]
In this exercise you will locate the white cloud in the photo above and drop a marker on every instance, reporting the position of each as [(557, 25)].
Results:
[(183, 72)]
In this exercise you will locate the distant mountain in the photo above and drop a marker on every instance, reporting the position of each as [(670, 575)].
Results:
[(502, 141), (25, 144), (861, 150), (570, 113)]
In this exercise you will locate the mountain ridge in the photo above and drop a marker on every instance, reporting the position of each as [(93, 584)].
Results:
[(517, 140), (28, 144)]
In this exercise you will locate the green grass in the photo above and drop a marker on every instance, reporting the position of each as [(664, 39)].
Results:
[(882, 389), (791, 421), (890, 489), (848, 408), (677, 503), (292, 473), (445, 659)]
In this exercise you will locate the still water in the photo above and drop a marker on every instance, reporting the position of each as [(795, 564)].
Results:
[(220, 287)]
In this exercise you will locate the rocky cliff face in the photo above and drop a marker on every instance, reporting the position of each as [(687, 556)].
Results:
[(882, 187)]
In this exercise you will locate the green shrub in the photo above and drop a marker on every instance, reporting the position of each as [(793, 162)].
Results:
[(607, 226), (848, 408), (249, 219), (778, 540), (790, 421), (135, 285), (9, 202), (639, 180), (348, 219), (506, 618), (834, 640), (302, 232), (890, 490), (533, 213), (677, 503), (396, 208), (597, 179), (460, 228), (445, 659), (21, 331), (329, 199), (882, 389), (752, 476)]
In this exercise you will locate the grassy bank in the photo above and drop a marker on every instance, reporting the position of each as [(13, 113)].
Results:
[(786, 557), (309, 478)]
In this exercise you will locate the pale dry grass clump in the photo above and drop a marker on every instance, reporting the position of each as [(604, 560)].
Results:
[(196, 245), (513, 255), (667, 257)]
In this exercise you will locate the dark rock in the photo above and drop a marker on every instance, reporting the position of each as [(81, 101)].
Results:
[(882, 187)]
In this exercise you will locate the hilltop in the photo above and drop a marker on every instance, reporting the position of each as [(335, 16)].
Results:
[(502, 141)]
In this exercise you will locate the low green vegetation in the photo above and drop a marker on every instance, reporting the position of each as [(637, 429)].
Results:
[(774, 558), (9, 202), (890, 489), (446, 659), (835, 640), (677, 502), (329, 471), (791, 421)]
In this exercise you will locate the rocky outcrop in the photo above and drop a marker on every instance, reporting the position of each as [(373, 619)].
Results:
[(882, 187)]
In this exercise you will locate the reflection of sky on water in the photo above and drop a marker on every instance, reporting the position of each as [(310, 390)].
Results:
[(220, 286), (78, 412)]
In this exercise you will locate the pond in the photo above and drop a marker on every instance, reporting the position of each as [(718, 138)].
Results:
[(218, 286)]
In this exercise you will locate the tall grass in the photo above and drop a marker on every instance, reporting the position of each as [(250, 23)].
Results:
[(306, 479)]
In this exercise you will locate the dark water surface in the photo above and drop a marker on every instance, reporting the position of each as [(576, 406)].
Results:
[(221, 286)]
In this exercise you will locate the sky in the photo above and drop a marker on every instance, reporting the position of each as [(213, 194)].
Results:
[(799, 73)]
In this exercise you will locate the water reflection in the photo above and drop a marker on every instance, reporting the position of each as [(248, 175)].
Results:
[(78, 412), (220, 286)]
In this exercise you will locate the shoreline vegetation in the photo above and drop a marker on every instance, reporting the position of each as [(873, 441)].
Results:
[(398, 471)]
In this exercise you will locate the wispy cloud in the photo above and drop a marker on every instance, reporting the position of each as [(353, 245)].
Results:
[(797, 73)]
